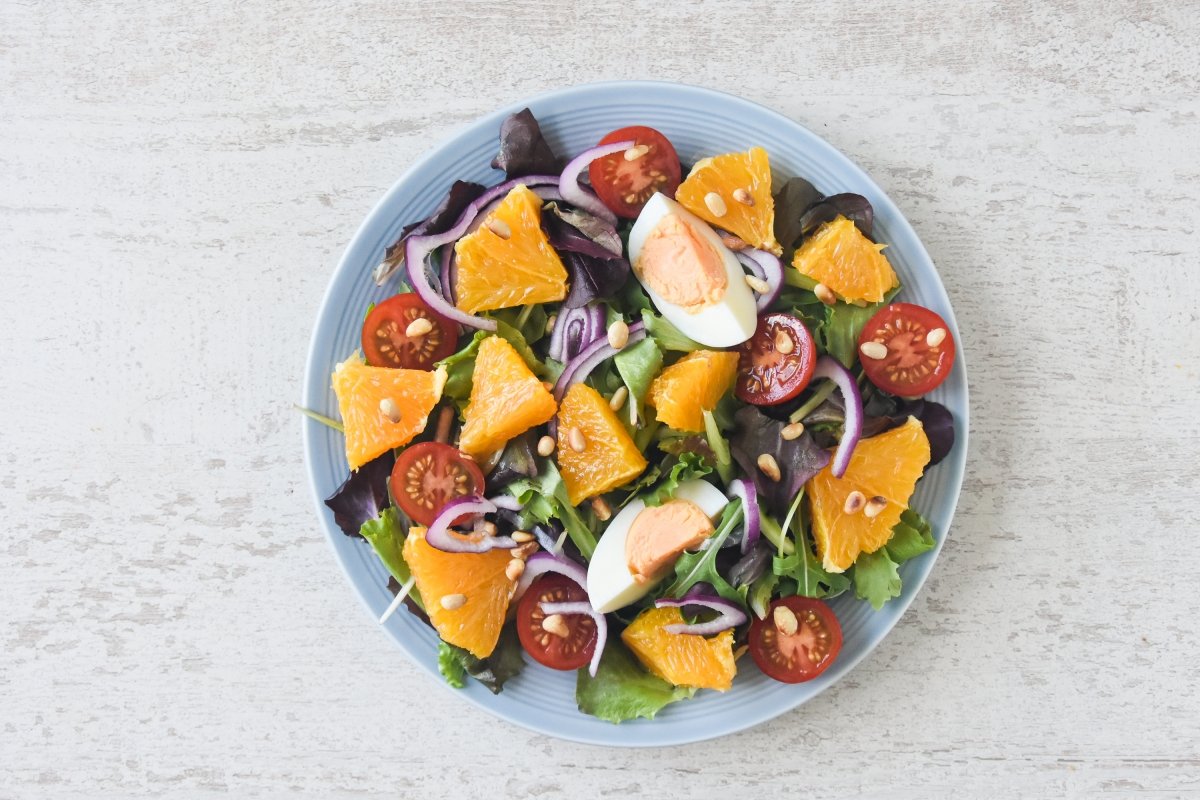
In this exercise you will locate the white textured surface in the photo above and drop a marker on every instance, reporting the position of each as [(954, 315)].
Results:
[(176, 183)]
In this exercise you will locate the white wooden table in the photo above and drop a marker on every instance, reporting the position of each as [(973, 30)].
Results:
[(177, 181)]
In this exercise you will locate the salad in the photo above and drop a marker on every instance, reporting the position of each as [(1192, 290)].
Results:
[(638, 419)]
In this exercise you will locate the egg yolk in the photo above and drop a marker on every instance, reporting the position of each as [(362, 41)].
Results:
[(681, 266), (660, 533)]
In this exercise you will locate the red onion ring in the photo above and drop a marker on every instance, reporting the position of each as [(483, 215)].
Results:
[(765, 266), (506, 502), (575, 194), (438, 535), (590, 357), (831, 368), (730, 616), (744, 489), (585, 608), (542, 562)]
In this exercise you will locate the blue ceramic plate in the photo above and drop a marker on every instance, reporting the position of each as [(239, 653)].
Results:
[(699, 122)]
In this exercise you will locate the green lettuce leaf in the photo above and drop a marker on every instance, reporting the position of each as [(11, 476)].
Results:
[(701, 566), (545, 496), (504, 662), (667, 335), (719, 447), (386, 534), (875, 577), (622, 690), (844, 323), (637, 365), (688, 467), (911, 537)]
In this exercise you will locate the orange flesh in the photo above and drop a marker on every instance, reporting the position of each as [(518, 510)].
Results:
[(681, 266), (660, 533)]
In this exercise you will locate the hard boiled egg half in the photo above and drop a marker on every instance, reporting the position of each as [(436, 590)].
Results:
[(694, 280), (641, 540)]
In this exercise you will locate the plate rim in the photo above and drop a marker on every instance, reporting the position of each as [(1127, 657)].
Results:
[(956, 460)]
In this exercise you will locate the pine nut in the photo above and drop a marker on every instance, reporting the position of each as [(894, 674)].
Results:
[(524, 551), (555, 624), (577, 440), (785, 620), (550, 320), (715, 204), (636, 152), (783, 343), (742, 196), (545, 446), (453, 601), (769, 466), (418, 328), (757, 284), (515, 569), (824, 294), (875, 507), (618, 334), (734, 243), (499, 227), (793, 431), (522, 536), (618, 399), (388, 407), (854, 502), (935, 337), (602, 508), (874, 350)]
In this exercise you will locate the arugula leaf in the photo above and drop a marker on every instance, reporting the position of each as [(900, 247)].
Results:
[(545, 496), (667, 335), (637, 365), (802, 565), (363, 495), (759, 596), (688, 467), (451, 666), (622, 690), (719, 446), (876, 578), (701, 566), (911, 537), (504, 662)]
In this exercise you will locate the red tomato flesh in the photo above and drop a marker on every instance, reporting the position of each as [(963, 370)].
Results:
[(625, 185), (920, 350), (429, 475), (385, 339), (557, 652), (777, 362), (800, 656)]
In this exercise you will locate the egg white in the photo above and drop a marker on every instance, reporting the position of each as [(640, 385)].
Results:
[(610, 584), (728, 322)]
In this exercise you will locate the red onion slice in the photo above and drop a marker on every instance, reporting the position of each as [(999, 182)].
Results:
[(590, 357), (730, 616), (831, 368), (542, 562), (438, 535), (574, 330), (744, 488), (506, 502), (585, 608), (767, 267), (575, 194)]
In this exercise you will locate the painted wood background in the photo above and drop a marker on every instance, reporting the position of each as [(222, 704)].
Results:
[(177, 181)]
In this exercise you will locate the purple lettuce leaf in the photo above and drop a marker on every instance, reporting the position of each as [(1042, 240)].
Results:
[(854, 207), (523, 149), (363, 496), (799, 459), (461, 195)]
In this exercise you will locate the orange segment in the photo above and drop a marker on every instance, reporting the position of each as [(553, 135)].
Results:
[(508, 261), (734, 178), (478, 577), (369, 398), (506, 400), (887, 466), (683, 659), (692, 385), (839, 256), (609, 457)]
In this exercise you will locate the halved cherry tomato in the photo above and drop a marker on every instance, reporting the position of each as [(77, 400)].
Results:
[(625, 186), (800, 656), (429, 475), (385, 340), (920, 350), (777, 362), (556, 652)]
